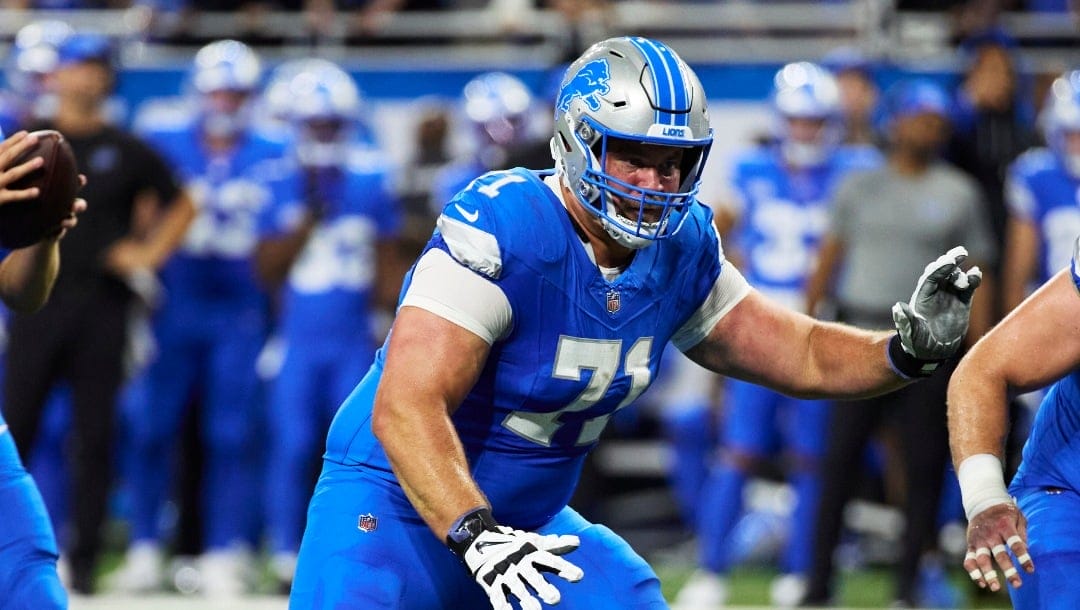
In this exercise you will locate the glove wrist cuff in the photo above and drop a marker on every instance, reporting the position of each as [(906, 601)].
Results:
[(904, 364), (467, 527)]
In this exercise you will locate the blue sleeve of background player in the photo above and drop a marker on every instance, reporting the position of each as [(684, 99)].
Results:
[(388, 216), (285, 210)]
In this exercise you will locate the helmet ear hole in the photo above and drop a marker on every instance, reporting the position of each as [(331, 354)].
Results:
[(565, 145)]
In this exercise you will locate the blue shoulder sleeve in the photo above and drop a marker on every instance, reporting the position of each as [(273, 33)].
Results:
[(497, 214), (469, 229)]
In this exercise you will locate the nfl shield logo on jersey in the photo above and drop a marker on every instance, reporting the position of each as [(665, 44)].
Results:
[(613, 302), (367, 523)]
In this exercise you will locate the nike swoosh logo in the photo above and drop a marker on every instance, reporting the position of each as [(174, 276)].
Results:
[(480, 546), (470, 216)]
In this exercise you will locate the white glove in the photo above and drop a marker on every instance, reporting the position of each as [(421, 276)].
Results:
[(508, 562), (932, 325)]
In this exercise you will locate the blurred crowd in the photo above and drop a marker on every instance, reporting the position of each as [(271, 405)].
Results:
[(364, 22), (246, 242)]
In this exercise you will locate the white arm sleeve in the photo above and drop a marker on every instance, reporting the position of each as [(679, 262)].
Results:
[(445, 288), (730, 288)]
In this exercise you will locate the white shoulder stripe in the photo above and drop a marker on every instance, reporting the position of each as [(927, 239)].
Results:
[(472, 247), (729, 289), (1076, 263)]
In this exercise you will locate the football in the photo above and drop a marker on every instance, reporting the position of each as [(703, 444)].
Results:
[(26, 222)]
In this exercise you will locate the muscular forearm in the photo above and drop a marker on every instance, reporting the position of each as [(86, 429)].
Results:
[(431, 364), (428, 460), (977, 409), (848, 362), (764, 343), (27, 275), (1036, 344)]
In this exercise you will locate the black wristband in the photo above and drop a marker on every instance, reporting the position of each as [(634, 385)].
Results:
[(906, 365), (468, 527)]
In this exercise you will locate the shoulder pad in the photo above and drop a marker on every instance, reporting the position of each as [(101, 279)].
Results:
[(494, 213)]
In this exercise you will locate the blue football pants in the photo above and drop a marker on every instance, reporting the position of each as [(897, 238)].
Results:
[(1054, 543), (28, 579), (394, 560)]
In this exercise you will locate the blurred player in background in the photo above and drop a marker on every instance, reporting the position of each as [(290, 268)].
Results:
[(32, 57), (28, 552), (80, 336), (497, 109), (1031, 525), (327, 243), (882, 223), (540, 307), (210, 328), (1043, 195), (782, 196)]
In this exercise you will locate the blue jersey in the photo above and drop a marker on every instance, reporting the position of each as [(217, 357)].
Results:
[(580, 347), (452, 179), (328, 291), (1041, 191), (784, 214), (230, 190)]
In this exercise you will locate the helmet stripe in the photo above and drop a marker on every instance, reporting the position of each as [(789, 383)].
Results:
[(669, 88)]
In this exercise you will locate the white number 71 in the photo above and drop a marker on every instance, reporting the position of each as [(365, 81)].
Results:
[(571, 358)]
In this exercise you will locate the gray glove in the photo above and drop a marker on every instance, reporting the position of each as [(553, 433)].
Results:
[(932, 325)]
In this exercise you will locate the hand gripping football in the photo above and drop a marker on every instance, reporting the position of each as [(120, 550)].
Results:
[(26, 222)]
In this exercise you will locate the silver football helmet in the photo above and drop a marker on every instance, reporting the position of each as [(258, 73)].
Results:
[(639, 90)]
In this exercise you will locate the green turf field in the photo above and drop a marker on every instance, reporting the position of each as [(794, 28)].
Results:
[(864, 589)]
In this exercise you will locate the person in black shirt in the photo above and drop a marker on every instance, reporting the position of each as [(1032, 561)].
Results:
[(80, 335)]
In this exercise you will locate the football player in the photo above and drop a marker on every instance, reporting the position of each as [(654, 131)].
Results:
[(1043, 192), (1030, 526), (211, 327), (539, 308), (496, 106), (28, 551), (782, 193), (32, 57), (327, 242)]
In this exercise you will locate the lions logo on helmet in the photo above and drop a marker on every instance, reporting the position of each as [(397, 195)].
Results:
[(634, 89), (590, 82)]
